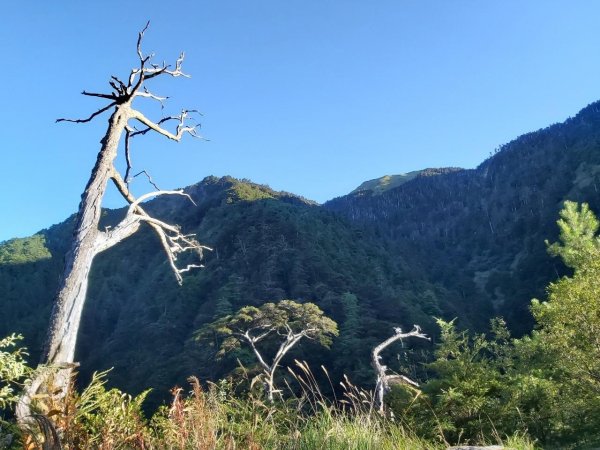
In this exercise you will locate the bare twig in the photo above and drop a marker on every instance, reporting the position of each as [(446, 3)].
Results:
[(148, 94), (158, 193), (95, 94), (139, 41), (150, 180), (164, 68), (174, 242), (100, 111), (137, 132), (127, 154)]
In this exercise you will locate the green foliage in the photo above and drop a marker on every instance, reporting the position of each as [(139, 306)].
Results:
[(13, 373), (13, 370), (486, 386), (467, 244), (223, 417), (273, 247), (351, 433), (21, 251), (273, 319), (102, 418), (467, 392), (544, 384), (350, 339), (218, 418), (29, 271), (578, 244), (475, 241), (569, 320), (379, 185), (286, 323), (248, 192), (479, 234), (387, 182)]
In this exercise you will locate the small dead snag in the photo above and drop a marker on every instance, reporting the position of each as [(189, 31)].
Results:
[(382, 385)]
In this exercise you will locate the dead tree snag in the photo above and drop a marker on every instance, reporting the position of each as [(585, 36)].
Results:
[(88, 240), (382, 385)]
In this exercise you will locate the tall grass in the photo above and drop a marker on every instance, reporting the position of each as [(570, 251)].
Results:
[(219, 417)]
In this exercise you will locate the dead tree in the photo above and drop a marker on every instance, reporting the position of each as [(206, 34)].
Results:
[(382, 385), (88, 240)]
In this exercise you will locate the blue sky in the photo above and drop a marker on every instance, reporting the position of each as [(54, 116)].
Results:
[(311, 96)]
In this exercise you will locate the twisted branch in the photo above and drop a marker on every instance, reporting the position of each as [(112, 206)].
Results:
[(173, 241), (124, 92), (382, 386), (181, 129)]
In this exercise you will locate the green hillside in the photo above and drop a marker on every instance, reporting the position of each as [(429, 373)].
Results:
[(445, 243), (481, 232), (387, 182), (267, 246)]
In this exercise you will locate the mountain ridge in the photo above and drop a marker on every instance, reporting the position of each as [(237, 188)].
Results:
[(463, 243), (387, 182), (512, 197)]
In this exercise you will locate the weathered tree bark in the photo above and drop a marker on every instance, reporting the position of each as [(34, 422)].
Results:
[(68, 306), (88, 240), (382, 386)]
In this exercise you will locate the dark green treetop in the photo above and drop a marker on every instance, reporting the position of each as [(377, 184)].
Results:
[(286, 322)]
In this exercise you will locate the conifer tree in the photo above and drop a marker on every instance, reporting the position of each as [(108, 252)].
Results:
[(570, 319)]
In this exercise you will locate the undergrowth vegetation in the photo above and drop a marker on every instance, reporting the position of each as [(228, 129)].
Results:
[(537, 391), (217, 416)]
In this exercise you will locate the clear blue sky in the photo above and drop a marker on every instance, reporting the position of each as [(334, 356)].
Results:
[(311, 96)]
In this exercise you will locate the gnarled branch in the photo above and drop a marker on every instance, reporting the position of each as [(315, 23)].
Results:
[(182, 128), (382, 386), (173, 241), (148, 94)]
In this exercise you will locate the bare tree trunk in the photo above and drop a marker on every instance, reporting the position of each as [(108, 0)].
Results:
[(88, 240), (271, 383), (291, 340), (68, 306), (59, 351)]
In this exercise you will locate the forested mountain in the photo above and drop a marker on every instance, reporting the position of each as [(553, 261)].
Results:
[(267, 246), (481, 232), (397, 251)]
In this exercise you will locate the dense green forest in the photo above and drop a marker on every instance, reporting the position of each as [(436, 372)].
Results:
[(447, 249), (267, 246), (480, 233), (537, 390)]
